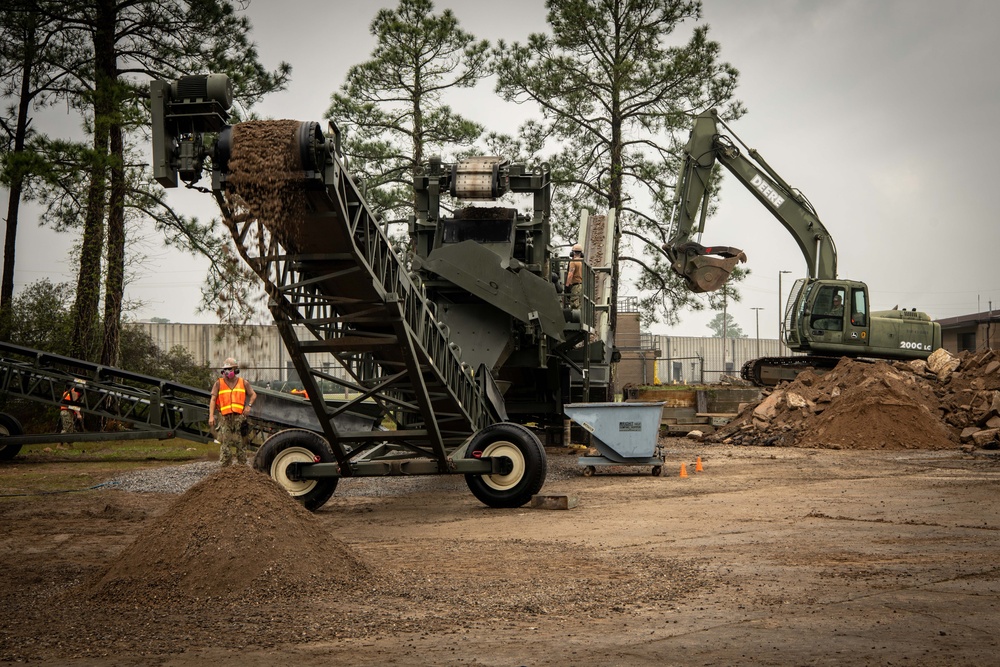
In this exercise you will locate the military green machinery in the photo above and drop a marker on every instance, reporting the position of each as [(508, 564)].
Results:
[(827, 318), (460, 340)]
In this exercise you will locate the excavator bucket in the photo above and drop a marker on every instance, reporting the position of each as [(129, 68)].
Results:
[(703, 271), (707, 274)]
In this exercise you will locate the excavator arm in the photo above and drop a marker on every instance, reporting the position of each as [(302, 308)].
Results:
[(706, 268)]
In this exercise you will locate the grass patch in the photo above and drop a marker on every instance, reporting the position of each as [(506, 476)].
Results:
[(79, 466), (175, 449)]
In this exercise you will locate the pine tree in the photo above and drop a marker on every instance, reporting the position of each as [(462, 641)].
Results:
[(617, 90), (392, 108)]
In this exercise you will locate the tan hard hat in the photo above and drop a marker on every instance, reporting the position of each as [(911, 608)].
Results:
[(230, 363), (577, 248)]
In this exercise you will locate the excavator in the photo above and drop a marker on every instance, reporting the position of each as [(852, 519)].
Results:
[(826, 318)]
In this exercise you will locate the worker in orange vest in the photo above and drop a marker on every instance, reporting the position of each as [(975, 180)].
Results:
[(233, 397), (70, 417)]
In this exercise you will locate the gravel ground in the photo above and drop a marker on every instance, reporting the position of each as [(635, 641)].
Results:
[(178, 479)]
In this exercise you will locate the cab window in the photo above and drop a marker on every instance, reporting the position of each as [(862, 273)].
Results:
[(828, 309), (859, 308)]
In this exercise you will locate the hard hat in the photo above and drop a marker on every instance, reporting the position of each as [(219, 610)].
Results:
[(230, 363), (577, 248)]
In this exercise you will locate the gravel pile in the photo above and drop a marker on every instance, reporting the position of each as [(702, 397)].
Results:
[(178, 479)]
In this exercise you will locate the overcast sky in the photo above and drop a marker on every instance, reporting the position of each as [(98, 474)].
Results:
[(883, 113)]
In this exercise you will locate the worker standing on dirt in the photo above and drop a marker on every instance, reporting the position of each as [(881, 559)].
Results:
[(574, 276), (70, 417), (233, 396)]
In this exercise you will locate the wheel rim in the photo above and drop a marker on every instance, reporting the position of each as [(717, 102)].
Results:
[(279, 467), (510, 480)]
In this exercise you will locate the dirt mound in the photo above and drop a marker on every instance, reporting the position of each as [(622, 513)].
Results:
[(936, 404), (234, 534)]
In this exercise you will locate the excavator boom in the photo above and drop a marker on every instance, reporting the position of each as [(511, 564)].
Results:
[(695, 263)]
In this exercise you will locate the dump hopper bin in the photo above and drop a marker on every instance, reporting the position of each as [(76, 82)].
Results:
[(622, 433)]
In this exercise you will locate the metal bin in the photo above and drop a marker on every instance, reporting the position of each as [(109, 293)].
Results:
[(622, 433)]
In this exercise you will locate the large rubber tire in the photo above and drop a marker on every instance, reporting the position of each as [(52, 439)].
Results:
[(297, 445), (9, 426), (525, 452)]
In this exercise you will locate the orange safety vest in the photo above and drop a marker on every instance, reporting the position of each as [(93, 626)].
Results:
[(232, 400), (70, 396)]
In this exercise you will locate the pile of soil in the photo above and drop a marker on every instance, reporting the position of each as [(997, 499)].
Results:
[(235, 534), (938, 404)]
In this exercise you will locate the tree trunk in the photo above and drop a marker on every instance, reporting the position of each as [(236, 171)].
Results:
[(114, 286), (16, 182), (88, 288), (10, 239), (615, 202)]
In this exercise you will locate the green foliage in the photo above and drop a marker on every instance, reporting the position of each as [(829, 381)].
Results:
[(43, 320), (390, 107), (617, 89), (140, 354), (724, 323), (41, 317)]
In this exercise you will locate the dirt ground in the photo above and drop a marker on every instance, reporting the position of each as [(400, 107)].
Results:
[(768, 556)]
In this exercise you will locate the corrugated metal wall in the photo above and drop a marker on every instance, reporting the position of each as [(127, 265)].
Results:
[(263, 357), (259, 350), (698, 360)]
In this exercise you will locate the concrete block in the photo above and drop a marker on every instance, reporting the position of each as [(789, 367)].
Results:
[(553, 502)]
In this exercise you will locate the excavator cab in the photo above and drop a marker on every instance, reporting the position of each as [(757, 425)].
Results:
[(702, 271), (827, 315)]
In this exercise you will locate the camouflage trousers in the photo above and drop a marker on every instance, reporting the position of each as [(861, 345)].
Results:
[(67, 421), (229, 429), (575, 292)]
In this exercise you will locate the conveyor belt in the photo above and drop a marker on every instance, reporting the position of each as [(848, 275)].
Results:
[(151, 407), (327, 264)]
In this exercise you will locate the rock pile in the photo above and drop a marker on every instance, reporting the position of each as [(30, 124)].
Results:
[(942, 403)]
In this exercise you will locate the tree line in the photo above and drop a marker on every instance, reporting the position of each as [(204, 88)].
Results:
[(97, 57), (612, 86)]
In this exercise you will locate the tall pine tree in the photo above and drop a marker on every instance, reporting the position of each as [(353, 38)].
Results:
[(391, 106), (617, 89)]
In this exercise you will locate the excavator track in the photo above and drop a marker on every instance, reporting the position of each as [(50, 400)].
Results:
[(770, 371)]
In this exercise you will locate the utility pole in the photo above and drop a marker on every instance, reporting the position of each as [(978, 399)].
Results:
[(725, 326), (781, 320), (758, 327)]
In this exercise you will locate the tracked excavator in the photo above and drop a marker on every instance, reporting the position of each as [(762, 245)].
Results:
[(826, 317)]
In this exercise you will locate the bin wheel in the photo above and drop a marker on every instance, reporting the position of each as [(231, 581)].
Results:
[(589, 471), (9, 426), (657, 471), (297, 446), (527, 469)]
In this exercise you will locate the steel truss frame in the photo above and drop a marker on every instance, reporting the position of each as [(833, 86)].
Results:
[(336, 274)]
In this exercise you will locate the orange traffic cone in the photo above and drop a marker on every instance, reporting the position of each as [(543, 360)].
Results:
[(684, 470), (697, 465)]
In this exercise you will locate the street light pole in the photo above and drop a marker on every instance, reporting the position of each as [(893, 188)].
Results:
[(758, 329), (781, 319)]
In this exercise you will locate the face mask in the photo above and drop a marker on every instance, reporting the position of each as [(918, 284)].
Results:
[(229, 374)]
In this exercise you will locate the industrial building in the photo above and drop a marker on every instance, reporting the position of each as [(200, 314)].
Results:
[(645, 358)]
